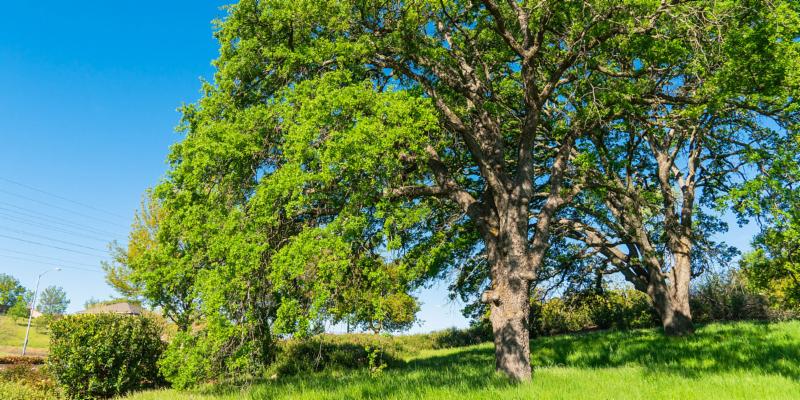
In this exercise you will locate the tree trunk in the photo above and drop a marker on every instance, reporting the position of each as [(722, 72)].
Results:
[(674, 311), (675, 319), (508, 300), (681, 277), (509, 317)]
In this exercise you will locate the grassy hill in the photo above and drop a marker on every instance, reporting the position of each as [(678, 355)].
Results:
[(722, 361), (13, 334)]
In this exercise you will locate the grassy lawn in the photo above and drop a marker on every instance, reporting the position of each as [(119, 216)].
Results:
[(722, 361), (13, 334)]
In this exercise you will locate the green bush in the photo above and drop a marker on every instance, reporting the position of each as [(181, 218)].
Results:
[(727, 297), (715, 297), (584, 311), (26, 381), (19, 311), (10, 390), (336, 352), (103, 355), (185, 362), (452, 337), (562, 315), (621, 309)]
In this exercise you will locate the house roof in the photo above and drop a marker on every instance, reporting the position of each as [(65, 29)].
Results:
[(115, 308)]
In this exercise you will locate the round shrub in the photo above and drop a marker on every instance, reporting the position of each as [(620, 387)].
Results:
[(103, 355), (187, 361), (584, 311)]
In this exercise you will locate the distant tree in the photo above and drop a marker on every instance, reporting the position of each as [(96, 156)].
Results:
[(10, 292), (773, 267), (52, 301), (91, 303), (19, 310)]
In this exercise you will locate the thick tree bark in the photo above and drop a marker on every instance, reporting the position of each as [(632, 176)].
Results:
[(680, 322), (670, 297), (509, 318), (676, 318), (508, 297)]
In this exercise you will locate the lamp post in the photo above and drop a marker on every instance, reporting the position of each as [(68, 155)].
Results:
[(33, 305)]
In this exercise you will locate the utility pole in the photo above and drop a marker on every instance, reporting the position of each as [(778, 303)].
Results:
[(33, 305)]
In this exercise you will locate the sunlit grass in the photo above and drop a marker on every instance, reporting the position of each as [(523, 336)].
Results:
[(722, 361), (12, 334)]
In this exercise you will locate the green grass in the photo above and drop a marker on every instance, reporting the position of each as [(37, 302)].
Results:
[(13, 334), (722, 361)]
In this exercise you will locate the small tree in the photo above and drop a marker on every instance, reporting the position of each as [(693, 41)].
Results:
[(53, 301), (19, 310), (10, 292)]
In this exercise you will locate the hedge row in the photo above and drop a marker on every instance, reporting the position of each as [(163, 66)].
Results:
[(104, 355)]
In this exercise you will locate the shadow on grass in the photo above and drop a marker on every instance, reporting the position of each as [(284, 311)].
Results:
[(716, 348), (750, 347), (463, 370)]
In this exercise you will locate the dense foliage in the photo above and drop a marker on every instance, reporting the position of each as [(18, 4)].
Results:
[(23, 381), (19, 310), (347, 153), (11, 292), (104, 355)]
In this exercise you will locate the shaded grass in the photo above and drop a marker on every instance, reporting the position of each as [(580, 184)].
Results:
[(13, 334), (722, 361)]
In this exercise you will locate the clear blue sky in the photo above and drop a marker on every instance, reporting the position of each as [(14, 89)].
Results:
[(87, 113)]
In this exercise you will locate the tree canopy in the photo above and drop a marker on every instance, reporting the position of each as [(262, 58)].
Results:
[(347, 153)]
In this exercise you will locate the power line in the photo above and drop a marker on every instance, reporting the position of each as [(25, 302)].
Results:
[(105, 221), (50, 227), (48, 245), (60, 260), (48, 217), (50, 239), (53, 219), (51, 263), (89, 206)]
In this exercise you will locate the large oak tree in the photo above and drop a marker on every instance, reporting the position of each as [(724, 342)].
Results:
[(339, 137), (703, 114), (438, 132)]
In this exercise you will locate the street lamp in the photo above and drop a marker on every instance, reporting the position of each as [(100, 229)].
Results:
[(33, 305)]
